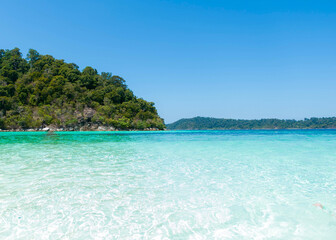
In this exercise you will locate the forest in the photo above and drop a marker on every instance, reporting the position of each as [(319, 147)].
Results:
[(40, 91), (204, 123)]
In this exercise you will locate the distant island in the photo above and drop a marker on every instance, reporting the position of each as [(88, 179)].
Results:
[(44, 93), (207, 123)]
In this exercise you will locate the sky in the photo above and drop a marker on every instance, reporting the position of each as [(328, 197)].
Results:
[(227, 59)]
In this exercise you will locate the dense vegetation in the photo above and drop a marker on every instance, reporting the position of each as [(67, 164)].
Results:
[(42, 91), (199, 123)]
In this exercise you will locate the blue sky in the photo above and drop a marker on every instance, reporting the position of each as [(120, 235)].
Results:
[(230, 59)]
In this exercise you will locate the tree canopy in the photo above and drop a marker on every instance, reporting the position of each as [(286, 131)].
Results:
[(40, 91)]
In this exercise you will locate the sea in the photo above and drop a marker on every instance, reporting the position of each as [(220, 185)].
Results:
[(239, 184)]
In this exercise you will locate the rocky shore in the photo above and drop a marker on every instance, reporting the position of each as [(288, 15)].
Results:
[(88, 127)]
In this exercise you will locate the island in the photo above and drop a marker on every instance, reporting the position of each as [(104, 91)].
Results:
[(207, 123), (43, 93)]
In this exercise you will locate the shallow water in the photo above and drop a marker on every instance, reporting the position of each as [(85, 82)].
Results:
[(168, 185)]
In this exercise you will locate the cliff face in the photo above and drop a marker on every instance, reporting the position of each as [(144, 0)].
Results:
[(41, 92)]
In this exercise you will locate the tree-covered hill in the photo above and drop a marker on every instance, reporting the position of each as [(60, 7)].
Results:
[(40, 91), (200, 123)]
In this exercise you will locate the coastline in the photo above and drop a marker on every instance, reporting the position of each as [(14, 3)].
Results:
[(77, 130), (81, 129), (246, 129), (111, 129)]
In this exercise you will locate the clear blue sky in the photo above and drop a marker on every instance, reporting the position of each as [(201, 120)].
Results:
[(231, 59)]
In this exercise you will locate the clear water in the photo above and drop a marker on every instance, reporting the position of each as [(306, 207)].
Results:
[(168, 185)]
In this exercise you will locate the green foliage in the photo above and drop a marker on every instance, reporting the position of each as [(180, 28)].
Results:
[(40, 90), (2, 123), (199, 123), (32, 56)]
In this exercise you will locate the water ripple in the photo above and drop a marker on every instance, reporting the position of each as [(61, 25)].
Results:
[(176, 185)]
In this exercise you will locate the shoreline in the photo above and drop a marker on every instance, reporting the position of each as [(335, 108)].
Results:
[(254, 129), (155, 129), (78, 130)]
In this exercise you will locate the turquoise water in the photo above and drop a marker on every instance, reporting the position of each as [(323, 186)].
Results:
[(168, 185)]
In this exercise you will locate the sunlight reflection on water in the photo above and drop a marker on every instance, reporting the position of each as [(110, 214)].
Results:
[(168, 185)]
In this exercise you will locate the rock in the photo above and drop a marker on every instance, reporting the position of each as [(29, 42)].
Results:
[(45, 129), (52, 128), (102, 128), (88, 113)]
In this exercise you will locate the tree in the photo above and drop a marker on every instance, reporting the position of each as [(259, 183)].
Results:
[(32, 56)]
